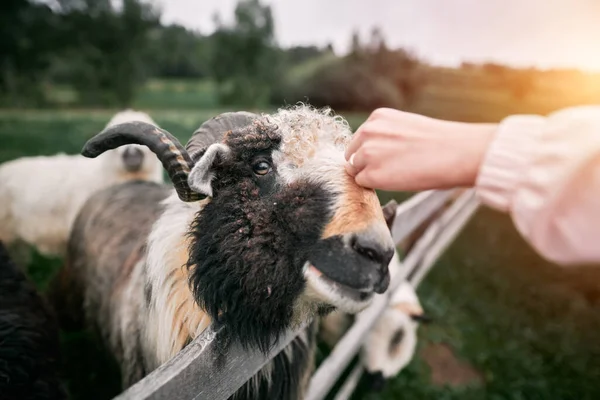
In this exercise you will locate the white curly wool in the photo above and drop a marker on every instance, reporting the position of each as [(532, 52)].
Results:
[(40, 196)]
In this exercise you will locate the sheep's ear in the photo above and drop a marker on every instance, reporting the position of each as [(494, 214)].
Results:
[(389, 212), (201, 176)]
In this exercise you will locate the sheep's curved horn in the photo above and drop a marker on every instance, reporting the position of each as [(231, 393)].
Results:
[(213, 130), (167, 148)]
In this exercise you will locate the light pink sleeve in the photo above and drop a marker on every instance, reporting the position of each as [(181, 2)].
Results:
[(545, 172)]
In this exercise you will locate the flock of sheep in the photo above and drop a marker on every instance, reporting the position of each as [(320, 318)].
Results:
[(260, 231)]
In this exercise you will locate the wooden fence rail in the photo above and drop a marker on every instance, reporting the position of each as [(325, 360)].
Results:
[(186, 376)]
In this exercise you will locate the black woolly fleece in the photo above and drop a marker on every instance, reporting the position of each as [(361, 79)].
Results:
[(30, 358), (250, 242)]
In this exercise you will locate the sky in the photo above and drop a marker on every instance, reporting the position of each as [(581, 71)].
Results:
[(541, 33)]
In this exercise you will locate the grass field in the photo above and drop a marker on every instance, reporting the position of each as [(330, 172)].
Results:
[(509, 324)]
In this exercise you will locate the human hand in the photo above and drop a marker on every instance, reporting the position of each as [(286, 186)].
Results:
[(400, 151)]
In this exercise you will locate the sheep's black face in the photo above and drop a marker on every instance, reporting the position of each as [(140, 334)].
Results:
[(276, 243)]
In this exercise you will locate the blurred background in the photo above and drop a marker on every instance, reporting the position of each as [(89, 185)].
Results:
[(507, 324)]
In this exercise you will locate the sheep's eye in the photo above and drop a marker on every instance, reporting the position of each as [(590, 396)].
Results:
[(396, 340), (261, 168)]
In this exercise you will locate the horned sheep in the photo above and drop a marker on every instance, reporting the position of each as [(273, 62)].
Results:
[(41, 195), (264, 231)]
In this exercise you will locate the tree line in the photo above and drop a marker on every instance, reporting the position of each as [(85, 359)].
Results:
[(106, 53)]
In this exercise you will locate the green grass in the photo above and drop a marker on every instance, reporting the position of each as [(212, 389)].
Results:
[(531, 329), (25, 133), (177, 94), (156, 94)]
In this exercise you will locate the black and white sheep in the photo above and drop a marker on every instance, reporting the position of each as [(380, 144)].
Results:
[(41, 195), (264, 231), (30, 357)]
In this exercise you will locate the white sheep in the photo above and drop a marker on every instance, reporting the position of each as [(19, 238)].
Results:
[(392, 342), (41, 195)]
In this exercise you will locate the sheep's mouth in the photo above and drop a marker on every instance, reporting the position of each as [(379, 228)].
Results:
[(339, 295)]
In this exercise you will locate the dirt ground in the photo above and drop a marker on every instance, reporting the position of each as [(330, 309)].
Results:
[(447, 369)]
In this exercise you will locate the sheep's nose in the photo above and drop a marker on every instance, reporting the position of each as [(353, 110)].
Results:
[(369, 247), (133, 159), (375, 381)]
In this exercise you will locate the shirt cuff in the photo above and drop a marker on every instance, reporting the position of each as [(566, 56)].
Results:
[(507, 159)]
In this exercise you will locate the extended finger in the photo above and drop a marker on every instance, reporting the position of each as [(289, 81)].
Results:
[(355, 143), (359, 159), (369, 131), (350, 168), (356, 162), (363, 178)]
